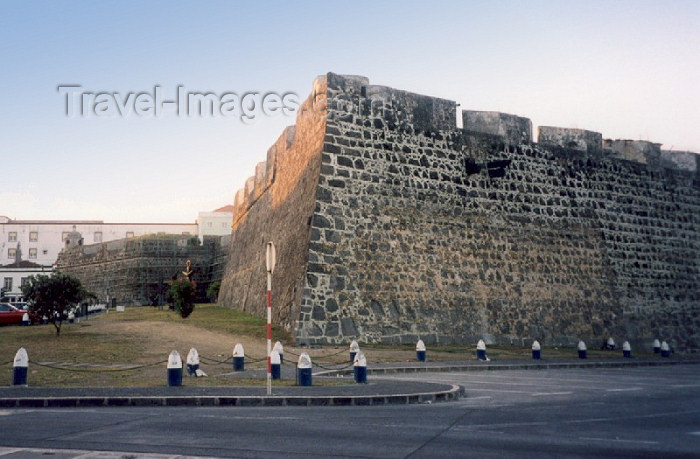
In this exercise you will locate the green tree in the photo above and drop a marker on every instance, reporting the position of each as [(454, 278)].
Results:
[(54, 296), (183, 292), (213, 291)]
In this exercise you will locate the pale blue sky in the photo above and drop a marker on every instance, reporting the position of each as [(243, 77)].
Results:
[(626, 69)]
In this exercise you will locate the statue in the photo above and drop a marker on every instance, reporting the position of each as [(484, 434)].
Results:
[(188, 270)]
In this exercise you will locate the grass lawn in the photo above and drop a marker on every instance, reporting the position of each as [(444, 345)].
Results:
[(145, 336)]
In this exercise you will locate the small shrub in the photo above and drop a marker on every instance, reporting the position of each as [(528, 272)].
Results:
[(183, 292)]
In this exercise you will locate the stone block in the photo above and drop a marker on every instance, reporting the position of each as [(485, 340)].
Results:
[(514, 129), (639, 151), (573, 139)]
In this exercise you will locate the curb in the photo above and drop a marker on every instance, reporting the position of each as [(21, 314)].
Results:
[(516, 366), (255, 401)]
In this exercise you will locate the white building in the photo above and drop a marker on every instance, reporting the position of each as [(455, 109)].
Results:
[(216, 223), (14, 276), (41, 240), (36, 243), (29, 247)]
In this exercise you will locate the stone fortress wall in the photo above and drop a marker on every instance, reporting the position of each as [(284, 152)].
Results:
[(392, 224), (138, 271)]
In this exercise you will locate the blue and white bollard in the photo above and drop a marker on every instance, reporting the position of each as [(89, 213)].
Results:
[(536, 350), (192, 362), (71, 317), (657, 346), (360, 368), (581, 350), (354, 349), (25, 319), (626, 349), (481, 350), (420, 351), (665, 349), (610, 345), (304, 370), (238, 358), (280, 350), (174, 369), (275, 364), (21, 364)]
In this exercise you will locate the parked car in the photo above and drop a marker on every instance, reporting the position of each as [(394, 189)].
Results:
[(11, 315)]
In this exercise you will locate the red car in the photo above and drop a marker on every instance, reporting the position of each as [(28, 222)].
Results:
[(11, 315)]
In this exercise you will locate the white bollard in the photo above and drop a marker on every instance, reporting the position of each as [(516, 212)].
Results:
[(610, 345), (657, 346), (360, 368), (238, 358), (304, 370), (420, 351), (354, 349), (536, 350), (582, 350), (665, 349), (71, 317), (481, 351), (20, 367), (25, 319), (280, 350), (192, 362), (174, 369), (626, 349), (275, 364)]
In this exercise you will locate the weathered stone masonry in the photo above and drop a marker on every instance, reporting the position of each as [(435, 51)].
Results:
[(138, 271), (393, 224)]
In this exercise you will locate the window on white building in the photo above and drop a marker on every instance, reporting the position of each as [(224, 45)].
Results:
[(33, 236), (98, 236), (7, 285), (23, 281), (64, 235), (32, 253), (209, 224), (12, 236), (12, 253)]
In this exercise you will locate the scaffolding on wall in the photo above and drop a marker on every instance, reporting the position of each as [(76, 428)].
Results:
[(140, 270)]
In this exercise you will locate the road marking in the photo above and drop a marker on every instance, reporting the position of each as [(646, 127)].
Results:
[(694, 433), (6, 413), (494, 426), (623, 390), (5, 451), (618, 440), (643, 416), (542, 394), (478, 398), (470, 389), (678, 386)]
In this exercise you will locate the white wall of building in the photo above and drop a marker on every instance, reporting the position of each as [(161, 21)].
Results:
[(214, 224), (12, 279), (41, 241)]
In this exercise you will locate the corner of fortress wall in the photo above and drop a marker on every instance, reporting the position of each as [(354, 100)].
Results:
[(418, 229), (276, 204)]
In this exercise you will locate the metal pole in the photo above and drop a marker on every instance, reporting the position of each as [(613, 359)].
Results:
[(270, 265)]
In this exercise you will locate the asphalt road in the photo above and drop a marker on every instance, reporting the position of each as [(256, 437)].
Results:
[(624, 412)]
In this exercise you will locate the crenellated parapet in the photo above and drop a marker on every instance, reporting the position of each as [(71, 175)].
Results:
[(574, 139), (514, 129)]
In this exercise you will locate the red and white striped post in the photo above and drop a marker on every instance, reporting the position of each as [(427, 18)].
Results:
[(270, 258)]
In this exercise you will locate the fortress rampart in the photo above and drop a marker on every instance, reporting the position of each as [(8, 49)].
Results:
[(138, 271), (392, 224)]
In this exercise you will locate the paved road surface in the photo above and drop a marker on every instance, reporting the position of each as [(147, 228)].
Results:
[(625, 412)]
